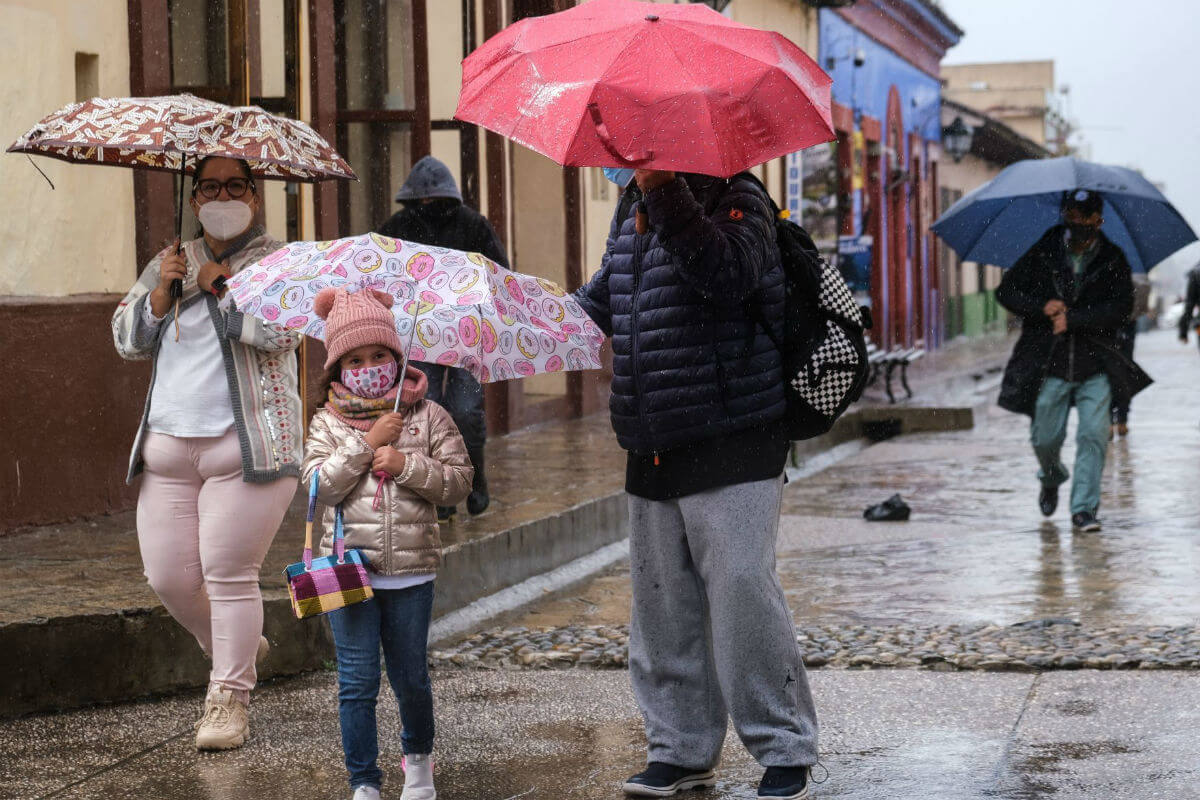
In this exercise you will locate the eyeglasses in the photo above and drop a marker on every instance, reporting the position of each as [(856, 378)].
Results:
[(210, 188)]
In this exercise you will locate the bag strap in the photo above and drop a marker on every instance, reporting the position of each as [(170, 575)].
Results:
[(308, 522), (339, 535)]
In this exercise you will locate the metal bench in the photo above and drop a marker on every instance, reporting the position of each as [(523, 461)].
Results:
[(900, 358)]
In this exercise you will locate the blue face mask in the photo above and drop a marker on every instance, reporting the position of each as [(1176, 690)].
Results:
[(621, 177)]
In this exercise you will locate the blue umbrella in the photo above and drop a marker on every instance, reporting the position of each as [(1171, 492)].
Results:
[(999, 221)]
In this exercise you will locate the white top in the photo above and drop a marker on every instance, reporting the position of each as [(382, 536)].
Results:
[(191, 392), (393, 582)]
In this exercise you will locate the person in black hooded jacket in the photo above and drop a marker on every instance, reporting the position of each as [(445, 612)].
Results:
[(435, 214), (1073, 291), (698, 403)]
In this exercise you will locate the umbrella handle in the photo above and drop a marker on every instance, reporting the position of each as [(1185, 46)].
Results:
[(404, 365), (177, 284), (632, 160)]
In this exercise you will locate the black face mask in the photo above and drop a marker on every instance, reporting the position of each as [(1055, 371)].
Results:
[(1081, 232), (437, 212)]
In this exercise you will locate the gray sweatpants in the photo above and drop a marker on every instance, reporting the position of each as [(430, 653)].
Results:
[(712, 635)]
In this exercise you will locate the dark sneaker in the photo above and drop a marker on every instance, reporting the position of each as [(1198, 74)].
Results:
[(665, 780), (1085, 521), (784, 783), (1048, 500)]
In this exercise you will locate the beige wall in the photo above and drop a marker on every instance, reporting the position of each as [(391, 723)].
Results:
[(79, 237), (1001, 74), (539, 245), (1016, 92), (964, 176), (445, 57)]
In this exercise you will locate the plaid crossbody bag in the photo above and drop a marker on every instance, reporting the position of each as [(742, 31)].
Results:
[(320, 585)]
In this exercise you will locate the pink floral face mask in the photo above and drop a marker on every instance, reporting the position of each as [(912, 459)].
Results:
[(371, 382)]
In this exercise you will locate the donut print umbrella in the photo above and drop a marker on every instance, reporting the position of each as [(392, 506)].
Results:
[(457, 309)]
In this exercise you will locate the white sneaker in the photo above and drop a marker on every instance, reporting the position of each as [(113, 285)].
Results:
[(366, 792), (418, 778)]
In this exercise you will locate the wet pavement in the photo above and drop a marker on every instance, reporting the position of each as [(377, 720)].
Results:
[(575, 734), (977, 551), (975, 564)]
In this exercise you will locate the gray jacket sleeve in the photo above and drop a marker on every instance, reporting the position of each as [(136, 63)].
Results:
[(134, 335)]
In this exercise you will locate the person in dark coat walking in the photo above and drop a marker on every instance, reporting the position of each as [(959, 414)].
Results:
[(1191, 302), (1073, 290), (434, 214), (698, 403)]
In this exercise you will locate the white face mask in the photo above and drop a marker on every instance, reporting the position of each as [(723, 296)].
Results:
[(225, 219)]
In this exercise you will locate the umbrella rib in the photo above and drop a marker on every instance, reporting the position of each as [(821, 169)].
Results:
[(1129, 232), (591, 95), (525, 59), (708, 98), (983, 229)]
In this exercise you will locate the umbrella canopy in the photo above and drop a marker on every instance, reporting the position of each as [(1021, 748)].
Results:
[(174, 132), (618, 83), (457, 309), (999, 221)]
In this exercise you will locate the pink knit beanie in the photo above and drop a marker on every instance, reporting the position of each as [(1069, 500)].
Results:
[(356, 319)]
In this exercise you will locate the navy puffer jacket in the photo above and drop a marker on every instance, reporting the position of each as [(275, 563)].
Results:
[(688, 363)]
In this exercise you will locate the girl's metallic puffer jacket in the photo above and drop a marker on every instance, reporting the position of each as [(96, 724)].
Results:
[(401, 538)]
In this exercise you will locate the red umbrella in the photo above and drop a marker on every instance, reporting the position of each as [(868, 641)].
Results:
[(618, 83)]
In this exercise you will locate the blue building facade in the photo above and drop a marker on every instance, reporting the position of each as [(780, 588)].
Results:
[(884, 56)]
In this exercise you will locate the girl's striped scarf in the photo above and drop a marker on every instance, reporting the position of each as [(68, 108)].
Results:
[(361, 412)]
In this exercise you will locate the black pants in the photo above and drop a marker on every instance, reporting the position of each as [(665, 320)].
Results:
[(458, 392), (1125, 337)]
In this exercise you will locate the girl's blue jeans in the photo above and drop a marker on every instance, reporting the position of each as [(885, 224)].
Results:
[(397, 620)]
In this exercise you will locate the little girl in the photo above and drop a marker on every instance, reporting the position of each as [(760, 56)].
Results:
[(389, 471)]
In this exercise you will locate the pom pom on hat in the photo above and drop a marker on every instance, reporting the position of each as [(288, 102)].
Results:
[(323, 303)]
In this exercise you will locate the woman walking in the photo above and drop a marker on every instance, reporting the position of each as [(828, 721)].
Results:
[(219, 446)]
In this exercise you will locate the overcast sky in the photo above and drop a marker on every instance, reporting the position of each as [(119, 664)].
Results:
[(1134, 71)]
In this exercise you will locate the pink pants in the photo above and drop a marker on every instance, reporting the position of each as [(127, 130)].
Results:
[(203, 534)]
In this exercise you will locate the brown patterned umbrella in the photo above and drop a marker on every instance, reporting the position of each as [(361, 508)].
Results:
[(176, 131)]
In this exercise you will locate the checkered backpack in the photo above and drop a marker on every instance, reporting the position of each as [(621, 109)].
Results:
[(824, 346)]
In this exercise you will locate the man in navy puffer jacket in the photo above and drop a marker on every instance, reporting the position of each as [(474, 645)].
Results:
[(698, 401)]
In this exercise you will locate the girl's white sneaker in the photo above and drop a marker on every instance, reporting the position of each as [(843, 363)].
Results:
[(366, 792), (418, 778)]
